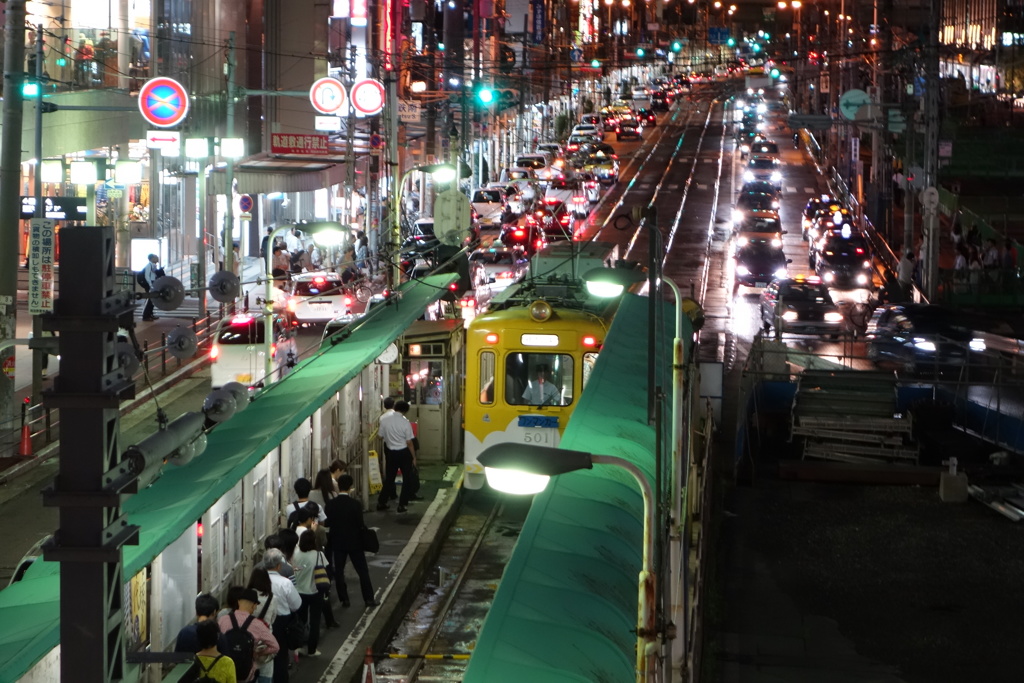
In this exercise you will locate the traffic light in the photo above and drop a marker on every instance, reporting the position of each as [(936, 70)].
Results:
[(731, 42), (30, 88), (595, 63), (485, 95), (640, 53), (774, 73), (677, 45)]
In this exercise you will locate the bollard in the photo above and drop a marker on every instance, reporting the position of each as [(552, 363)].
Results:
[(25, 446), (163, 353)]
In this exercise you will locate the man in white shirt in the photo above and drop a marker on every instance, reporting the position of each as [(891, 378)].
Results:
[(541, 392), (288, 603), (400, 452)]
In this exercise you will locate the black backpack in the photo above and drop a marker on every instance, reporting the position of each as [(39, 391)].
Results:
[(140, 277), (199, 673), (240, 646)]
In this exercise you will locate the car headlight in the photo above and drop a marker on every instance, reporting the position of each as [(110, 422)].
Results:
[(807, 223), (762, 108), (742, 270), (781, 273), (924, 345), (748, 175), (833, 317), (742, 241), (744, 148), (790, 316), (776, 176), (777, 242), (977, 344), (829, 276), (737, 215), (867, 263)]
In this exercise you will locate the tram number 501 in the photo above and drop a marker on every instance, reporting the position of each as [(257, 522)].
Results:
[(541, 436)]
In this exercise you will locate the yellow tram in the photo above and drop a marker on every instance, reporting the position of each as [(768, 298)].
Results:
[(529, 358)]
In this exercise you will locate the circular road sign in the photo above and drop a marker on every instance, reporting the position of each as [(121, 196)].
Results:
[(376, 141), (327, 95), (245, 203), (163, 102), (368, 96)]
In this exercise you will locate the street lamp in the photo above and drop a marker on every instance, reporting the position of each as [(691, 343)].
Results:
[(442, 173), (525, 469), (325, 234)]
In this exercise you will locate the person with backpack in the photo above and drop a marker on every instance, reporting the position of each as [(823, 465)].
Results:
[(206, 610), (259, 580), (303, 487), (246, 639), (211, 666)]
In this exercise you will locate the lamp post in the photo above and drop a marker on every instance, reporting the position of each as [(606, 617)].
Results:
[(442, 173), (525, 469), (325, 234)]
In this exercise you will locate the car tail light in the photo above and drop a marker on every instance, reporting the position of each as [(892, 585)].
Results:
[(590, 341), (467, 302), (319, 280), (549, 200), (453, 286), (491, 338), (504, 276), (273, 350), (214, 352), (540, 243), (348, 301), (564, 220), (860, 250), (519, 233), (292, 303)]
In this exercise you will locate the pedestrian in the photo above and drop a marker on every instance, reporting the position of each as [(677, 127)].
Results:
[(264, 242), (974, 236), (1009, 259), (277, 540), (990, 257), (960, 262), (259, 580), (361, 247), (400, 454), (150, 272), (345, 521), (243, 603), (905, 272), (337, 468), (303, 487), (206, 610), (281, 260), (305, 560), (324, 488), (211, 664), (288, 603)]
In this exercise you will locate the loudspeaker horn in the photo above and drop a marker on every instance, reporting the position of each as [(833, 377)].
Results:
[(168, 293), (224, 286), (182, 342)]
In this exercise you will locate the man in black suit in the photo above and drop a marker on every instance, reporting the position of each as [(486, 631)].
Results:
[(345, 522)]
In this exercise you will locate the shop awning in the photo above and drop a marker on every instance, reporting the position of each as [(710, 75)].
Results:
[(264, 174)]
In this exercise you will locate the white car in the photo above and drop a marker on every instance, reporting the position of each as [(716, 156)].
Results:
[(501, 266), (593, 120), (519, 196), (489, 206), (589, 130), (570, 193), (317, 298), (541, 163), (239, 351)]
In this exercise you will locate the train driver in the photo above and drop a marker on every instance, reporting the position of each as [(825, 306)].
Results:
[(540, 391)]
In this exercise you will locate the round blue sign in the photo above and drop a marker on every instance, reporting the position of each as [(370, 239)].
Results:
[(245, 203), (163, 102)]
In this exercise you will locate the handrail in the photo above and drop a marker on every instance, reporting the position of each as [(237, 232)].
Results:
[(42, 422)]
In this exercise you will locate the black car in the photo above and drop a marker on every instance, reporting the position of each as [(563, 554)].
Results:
[(647, 117), (923, 337), (660, 101), (843, 261), (801, 305), (758, 263), (765, 147), (630, 128), (754, 201), (525, 235)]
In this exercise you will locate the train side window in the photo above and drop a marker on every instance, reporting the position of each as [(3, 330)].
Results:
[(588, 366), (487, 378)]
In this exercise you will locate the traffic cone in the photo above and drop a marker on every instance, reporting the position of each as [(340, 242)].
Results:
[(25, 447), (369, 675)]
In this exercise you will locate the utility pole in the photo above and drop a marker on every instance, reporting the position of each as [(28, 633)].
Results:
[(931, 154), (39, 214), (10, 182), (229, 171)]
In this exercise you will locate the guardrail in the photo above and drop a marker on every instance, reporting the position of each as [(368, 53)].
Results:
[(156, 362)]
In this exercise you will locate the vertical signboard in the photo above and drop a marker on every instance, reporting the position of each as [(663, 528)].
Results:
[(537, 12), (41, 247)]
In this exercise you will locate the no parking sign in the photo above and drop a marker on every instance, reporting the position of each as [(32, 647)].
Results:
[(163, 102)]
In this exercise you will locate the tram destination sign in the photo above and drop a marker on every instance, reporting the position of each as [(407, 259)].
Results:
[(57, 208)]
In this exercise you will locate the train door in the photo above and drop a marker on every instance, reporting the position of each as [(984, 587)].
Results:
[(432, 376)]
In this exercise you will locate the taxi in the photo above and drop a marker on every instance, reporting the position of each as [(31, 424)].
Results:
[(801, 305), (760, 224)]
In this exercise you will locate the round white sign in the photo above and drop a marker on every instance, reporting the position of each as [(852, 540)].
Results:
[(368, 96), (328, 95)]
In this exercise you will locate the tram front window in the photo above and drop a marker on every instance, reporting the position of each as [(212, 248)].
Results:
[(538, 379)]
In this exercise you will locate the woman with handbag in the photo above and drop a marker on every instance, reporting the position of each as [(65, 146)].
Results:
[(305, 561)]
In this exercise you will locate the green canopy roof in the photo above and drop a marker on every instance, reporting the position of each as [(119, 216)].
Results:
[(30, 609), (566, 606)]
